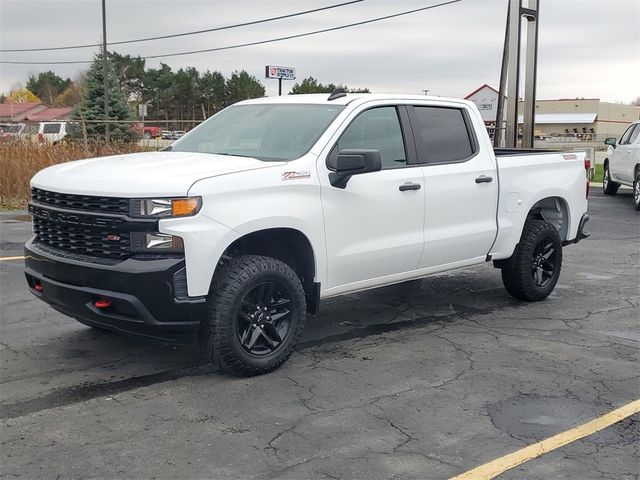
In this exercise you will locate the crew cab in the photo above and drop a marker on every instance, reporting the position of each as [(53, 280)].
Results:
[(622, 165), (240, 228)]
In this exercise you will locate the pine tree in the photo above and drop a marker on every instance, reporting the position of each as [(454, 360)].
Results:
[(91, 107)]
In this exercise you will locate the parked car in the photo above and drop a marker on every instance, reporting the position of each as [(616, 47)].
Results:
[(52, 132), (236, 231), (622, 165), (149, 132), (11, 131), (178, 133), (167, 135)]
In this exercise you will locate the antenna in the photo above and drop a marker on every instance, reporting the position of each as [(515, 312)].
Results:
[(336, 94)]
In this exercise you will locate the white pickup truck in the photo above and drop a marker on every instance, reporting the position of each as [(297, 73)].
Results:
[(239, 229)]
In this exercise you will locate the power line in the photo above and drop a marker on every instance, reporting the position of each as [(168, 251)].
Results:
[(184, 34), (260, 42)]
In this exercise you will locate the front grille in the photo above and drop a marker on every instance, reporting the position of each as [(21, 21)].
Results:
[(82, 241), (81, 202)]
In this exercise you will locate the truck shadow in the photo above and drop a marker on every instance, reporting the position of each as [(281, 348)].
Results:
[(100, 363)]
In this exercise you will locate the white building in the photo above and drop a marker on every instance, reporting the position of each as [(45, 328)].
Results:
[(566, 118)]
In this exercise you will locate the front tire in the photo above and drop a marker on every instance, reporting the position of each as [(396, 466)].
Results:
[(609, 186), (534, 269), (256, 313), (636, 189)]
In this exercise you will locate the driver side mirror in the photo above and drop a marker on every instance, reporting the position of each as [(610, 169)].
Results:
[(354, 162), (610, 141)]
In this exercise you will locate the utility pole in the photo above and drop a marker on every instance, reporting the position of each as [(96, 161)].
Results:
[(510, 75), (498, 134), (105, 79)]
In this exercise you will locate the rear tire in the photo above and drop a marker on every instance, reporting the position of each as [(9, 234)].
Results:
[(256, 313), (609, 186), (532, 272), (636, 189)]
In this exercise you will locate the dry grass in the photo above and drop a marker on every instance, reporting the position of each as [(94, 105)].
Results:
[(19, 161)]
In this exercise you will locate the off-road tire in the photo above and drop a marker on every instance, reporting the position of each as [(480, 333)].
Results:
[(609, 187), (231, 283), (636, 189), (518, 272)]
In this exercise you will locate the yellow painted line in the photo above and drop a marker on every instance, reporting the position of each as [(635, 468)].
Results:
[(502, 464), (2, 259)]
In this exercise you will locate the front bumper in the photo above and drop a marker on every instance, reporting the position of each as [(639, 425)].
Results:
[(146, 297)]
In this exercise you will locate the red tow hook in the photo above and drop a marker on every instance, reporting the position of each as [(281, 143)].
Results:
[(37, 286), (102, 303)]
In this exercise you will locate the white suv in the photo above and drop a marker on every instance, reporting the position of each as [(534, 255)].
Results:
[(622, 165)]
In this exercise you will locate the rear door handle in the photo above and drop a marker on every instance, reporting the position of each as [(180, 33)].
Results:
[(410, 186), (484, 179)]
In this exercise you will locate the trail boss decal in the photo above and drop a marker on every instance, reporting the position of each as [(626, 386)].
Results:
[(296, 175)]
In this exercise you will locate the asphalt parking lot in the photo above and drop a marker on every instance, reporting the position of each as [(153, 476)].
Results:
[(426, 379)]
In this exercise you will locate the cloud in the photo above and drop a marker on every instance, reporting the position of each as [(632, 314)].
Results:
[(586, 49)]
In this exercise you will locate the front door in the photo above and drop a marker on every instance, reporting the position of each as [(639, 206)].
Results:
[(621, 161), (374, 226)]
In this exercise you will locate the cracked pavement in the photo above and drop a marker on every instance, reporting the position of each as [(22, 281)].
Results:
[(425, 380)]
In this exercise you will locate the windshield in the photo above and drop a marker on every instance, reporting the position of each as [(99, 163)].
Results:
[(268, 132)]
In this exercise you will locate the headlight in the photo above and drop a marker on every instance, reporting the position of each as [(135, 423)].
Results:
[(156, 242), (165, 207)]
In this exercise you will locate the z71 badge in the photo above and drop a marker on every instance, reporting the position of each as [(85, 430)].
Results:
[(296, 175)]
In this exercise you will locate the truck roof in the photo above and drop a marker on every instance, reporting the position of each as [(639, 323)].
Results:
[(323, 98)]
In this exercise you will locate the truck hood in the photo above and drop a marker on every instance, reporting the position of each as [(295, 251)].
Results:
[(141, 174)]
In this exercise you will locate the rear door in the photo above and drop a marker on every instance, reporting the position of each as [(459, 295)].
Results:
[(461, 185)]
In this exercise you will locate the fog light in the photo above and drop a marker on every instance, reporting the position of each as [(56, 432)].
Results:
[(159, 240), (155, 242)]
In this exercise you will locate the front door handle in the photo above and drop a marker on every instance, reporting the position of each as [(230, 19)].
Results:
[(484, 179), (410, 186)]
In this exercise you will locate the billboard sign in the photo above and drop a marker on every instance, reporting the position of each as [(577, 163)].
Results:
[(285, 73)]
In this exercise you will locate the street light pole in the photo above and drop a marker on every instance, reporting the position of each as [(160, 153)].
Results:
[(105, 80)]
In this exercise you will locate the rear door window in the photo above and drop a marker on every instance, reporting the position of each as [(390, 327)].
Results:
[(442, 134)]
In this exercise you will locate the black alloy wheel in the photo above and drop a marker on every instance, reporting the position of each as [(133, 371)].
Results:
[(543, 262), (533, 270), (256, 312), (264, 318), (609, 186)]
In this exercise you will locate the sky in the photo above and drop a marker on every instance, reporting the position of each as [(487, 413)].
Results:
[(587, 48)]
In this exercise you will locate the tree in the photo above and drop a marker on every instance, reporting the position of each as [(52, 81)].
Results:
[(185, 92), (636, 102), (72, 95), (311, 85), (212, 91), (47, 86), (130, 73), (157, 90), (242, 86), (22, 96), (91, 108)]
